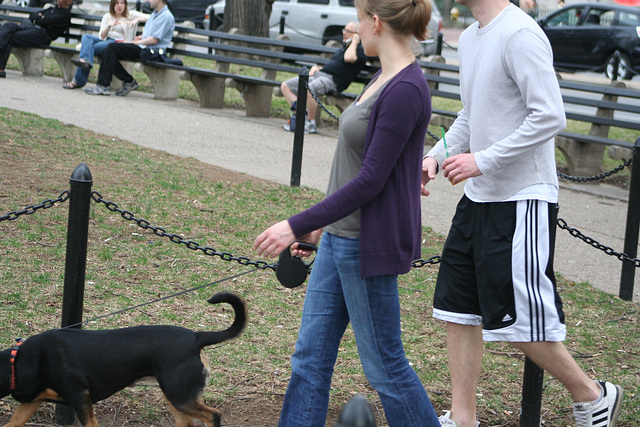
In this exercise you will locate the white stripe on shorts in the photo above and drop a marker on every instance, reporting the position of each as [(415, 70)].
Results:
[(536, 312)]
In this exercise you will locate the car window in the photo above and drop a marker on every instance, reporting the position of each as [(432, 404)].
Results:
[(607, 19), (314, 1), (593, 17), (627, 19), (568, 18), (347, 3)]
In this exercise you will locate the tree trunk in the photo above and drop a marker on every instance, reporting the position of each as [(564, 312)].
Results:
[(251, 17)]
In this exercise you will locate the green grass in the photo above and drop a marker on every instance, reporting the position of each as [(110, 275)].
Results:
[(127, 266)]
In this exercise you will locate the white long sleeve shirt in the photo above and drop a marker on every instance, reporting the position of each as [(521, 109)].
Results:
[(512, 109)]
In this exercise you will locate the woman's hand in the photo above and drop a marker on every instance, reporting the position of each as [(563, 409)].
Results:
[(274, 240), (313, 238), (429, 170)]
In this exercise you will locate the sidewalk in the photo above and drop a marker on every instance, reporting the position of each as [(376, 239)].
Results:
[(259, 147)]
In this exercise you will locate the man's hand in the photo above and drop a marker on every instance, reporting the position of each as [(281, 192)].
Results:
[(274, 240), (314, 70), (429, 170), (460, 167)]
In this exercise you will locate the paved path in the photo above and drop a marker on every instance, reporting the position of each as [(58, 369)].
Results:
[(259, 147)]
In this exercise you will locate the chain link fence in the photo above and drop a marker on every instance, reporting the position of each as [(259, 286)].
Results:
[(259, 264)]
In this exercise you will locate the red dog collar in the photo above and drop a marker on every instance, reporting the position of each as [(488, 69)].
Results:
[(12, 362)]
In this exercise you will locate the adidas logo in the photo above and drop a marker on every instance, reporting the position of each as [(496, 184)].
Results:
[(507, 318)]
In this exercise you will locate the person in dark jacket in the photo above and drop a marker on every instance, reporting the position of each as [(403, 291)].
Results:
[(42, 27)]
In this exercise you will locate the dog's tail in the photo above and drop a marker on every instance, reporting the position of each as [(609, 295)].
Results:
[(214, 337)]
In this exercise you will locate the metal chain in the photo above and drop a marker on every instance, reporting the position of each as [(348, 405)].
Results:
[(606, 249), (336, 37), (175, 238), (596, 177), (317, 99), (419, 263), (29, 210), (432, 135)]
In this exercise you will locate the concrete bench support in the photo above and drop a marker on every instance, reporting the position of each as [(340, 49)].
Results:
[(31, 60), (210, 89), (164, 81), (64, 62)]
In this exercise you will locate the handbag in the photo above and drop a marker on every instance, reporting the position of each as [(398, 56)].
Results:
[(157, 55)]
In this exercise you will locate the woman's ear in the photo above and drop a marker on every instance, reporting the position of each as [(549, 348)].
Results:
[(376, 24)]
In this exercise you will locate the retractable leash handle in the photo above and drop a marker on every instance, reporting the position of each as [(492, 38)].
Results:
[(292, 271)]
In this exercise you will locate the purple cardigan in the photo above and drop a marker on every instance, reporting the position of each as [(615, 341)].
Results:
[(387, 187)]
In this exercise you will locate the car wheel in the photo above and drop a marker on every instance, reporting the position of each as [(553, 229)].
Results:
[(624, 66), (332, 36), (20, 3)]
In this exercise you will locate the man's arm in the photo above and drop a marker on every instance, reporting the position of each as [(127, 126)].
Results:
[(351, 54), (52, 17), (147, 41)]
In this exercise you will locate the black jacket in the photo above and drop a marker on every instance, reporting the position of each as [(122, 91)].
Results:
[(54, 20)]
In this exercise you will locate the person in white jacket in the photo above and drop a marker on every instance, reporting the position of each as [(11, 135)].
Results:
[(496, 279), (119, 24)]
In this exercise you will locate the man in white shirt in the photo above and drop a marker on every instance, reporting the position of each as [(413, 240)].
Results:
[(496, 280)]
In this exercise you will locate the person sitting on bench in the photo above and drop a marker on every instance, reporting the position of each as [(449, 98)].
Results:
[(157, 35), (42, 27), (336, 76)]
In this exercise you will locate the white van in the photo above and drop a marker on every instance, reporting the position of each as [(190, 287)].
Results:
[(313, 21)]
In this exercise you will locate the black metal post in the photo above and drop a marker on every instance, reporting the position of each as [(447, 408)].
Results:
[(627, 276), (298, 134), (616, 64), (439, 41), (282, 19), (76, 261), (212, 17), (531, 394)]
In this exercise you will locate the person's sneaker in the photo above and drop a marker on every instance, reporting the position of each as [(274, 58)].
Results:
[(127, 87), (99, 90), (601, 413), (310, 127), (446, 421), (290, 126)]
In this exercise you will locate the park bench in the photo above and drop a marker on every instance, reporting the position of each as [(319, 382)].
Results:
[(600, 107), (220, 50)]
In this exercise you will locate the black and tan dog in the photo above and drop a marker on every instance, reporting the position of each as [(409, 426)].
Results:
[(81, 367)]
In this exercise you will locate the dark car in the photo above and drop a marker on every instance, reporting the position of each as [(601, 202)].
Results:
[(185, 10), (595, 37)]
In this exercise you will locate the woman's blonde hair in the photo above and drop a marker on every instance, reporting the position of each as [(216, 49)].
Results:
[(402, 16), (112, 8)]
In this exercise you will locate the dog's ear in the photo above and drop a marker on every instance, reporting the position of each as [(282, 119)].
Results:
[(5, 373)]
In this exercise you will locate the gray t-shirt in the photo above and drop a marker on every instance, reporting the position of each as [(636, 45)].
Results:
[(347, 160)]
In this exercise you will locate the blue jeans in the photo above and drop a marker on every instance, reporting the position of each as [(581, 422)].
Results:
[(337, 295), (91, 46)]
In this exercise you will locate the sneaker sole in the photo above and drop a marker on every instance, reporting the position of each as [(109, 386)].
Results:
[(616, 406)]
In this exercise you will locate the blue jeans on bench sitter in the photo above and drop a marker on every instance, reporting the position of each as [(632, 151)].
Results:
[(337, 295), (91, 46)]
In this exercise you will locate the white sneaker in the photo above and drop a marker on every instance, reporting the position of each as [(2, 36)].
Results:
[(603, 413), (446, 421), (310, 127)]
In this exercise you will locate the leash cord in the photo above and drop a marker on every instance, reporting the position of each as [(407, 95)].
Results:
[(160, 299)]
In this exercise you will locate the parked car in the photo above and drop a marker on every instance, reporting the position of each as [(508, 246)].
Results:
[(317, 21), (185, 10), (594, 36)]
